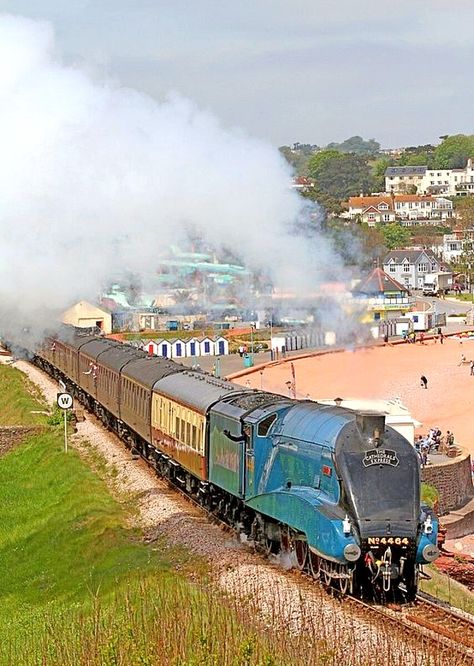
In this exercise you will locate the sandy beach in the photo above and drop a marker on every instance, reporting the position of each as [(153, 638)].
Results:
[(390, 372)]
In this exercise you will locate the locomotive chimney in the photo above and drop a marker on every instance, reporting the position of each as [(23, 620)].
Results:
[(371, 425)]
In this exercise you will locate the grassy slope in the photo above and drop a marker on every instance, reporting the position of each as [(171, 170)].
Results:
[(19, 399), (449, 590), (78, 586), (62, 537)]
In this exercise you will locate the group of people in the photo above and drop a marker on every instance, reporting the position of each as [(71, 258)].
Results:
[(434, 442), (412, 337)]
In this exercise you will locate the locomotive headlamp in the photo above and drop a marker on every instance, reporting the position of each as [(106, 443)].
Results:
[(352, 552), (430, 552), (346, 525), (428, 526)]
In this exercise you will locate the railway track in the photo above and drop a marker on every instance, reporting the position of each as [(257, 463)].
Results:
[(441, 629), (444, 631)]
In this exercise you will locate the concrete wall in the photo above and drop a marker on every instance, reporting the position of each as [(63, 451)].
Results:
[(453, 480)]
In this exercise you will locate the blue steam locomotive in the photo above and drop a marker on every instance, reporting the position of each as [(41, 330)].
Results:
[(336, 489)]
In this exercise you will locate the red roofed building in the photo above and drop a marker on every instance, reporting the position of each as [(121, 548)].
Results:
[(409, 209), (384, 297)]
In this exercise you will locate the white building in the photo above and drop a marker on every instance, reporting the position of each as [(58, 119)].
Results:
[(457, 243), (450, 182), (410, 209), (409, 267), (415, 207), (85, 315)]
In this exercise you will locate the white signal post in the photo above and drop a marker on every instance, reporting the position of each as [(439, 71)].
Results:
[(65, 403)]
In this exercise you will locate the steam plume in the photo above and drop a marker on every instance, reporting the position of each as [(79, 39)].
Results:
[(95, 177)]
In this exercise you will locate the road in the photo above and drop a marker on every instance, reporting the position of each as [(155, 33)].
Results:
[(450, 307)]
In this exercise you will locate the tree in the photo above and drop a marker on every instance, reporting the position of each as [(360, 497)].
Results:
[(379, 166), (356, 145), (340, 175), (454, 151), (297, 158), (394, 235), (465, 212)]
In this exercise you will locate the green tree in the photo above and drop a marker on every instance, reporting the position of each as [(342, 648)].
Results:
[(340, 175), (454, 151), (464, 212), (379, 166), (394, 235), (357, 145)]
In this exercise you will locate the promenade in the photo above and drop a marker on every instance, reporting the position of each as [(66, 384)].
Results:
[(388, 372)]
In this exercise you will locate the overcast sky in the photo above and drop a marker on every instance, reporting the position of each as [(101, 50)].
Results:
[(296, 70)]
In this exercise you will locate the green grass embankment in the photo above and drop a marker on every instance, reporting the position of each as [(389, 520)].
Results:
[(79, 586), (21, 402)]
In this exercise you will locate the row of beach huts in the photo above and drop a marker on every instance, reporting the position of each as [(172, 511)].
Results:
[(180, 348)]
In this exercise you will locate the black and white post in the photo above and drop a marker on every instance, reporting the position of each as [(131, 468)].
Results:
[(65, 403)]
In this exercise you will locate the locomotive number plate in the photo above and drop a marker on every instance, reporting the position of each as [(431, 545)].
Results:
[(388, 541)]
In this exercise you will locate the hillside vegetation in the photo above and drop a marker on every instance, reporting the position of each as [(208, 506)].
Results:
[(79, 585)]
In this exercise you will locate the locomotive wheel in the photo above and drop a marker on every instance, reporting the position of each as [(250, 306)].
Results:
[(314, 567), (343, 582), (299, 548), (327, 577)]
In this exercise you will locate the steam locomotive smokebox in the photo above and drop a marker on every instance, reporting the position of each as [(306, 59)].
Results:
[(370, 423)]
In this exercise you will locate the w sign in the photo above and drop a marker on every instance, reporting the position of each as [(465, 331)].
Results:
[(64, 400)]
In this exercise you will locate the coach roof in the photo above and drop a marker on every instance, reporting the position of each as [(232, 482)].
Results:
[(197, 390)]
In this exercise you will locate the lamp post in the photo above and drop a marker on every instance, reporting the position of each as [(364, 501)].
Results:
[(252, 326)]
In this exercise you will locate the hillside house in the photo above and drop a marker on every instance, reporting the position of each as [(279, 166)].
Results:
[(409, 267), (409, 209)]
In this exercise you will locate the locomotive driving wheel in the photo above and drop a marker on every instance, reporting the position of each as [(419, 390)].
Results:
[(314, 565), (343, 578), (299, 548)]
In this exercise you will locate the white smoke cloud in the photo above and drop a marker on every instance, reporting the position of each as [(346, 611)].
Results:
[(94, 177)]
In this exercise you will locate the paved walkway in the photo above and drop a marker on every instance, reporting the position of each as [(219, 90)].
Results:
[(388, 372)]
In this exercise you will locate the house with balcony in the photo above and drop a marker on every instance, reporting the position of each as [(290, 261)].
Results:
[(383, 297), (456, 244), (372, 210), (409, 209), (438, 182), (409, 267), (419, 209)]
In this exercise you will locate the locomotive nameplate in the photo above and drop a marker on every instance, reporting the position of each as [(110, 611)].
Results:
[(380, 457), (388, 541)]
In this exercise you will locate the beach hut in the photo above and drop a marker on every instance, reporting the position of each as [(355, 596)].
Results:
[(206, 345), (193, 347), (151, 347), (221, 345), (178, 348), (164, 348)]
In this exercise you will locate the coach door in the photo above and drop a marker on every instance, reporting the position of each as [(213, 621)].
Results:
[(248, 455)]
